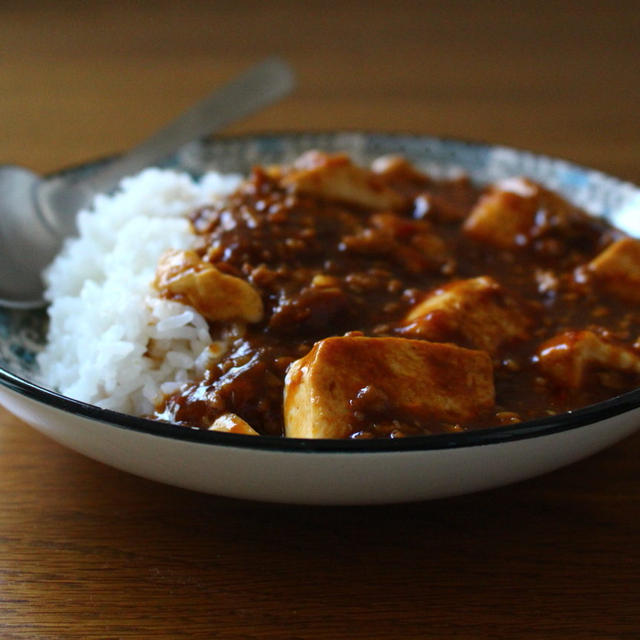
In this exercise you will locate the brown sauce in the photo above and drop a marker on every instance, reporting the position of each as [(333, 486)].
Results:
[(326, 268)]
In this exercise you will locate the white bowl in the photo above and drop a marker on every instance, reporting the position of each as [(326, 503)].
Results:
[(334, 471)]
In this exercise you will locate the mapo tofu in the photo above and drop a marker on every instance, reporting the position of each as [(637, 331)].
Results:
[(362, 303)]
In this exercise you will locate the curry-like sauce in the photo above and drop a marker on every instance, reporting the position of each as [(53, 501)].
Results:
[(325, 267)]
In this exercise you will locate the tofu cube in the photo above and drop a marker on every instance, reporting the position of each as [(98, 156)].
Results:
[(568, 358), (184, 277), (477, 313), (418, 378), (231, 423), (504, 216), (334, 177), (617, 269)]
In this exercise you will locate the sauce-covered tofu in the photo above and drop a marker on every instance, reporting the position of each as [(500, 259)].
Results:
[(231, 423), (334, 177), (477, 313), (504, 215), (183, 276), (617, 269), (412, 379), (517, 212), (569, 358)]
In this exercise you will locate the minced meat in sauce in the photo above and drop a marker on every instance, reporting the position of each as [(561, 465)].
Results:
[(327, 264)]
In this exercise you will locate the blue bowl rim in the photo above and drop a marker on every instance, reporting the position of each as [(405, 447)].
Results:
[(481, 437)]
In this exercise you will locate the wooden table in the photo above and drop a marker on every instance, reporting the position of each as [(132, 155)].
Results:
[(89, 552)]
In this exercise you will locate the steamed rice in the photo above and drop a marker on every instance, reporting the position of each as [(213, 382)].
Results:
[(112, 341)]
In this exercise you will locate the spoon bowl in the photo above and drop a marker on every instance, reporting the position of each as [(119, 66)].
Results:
[(27, 243)]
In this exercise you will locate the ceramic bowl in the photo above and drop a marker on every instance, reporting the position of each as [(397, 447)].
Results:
[(334, 471)]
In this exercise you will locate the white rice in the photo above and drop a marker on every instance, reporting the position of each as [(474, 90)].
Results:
[(112, 342)]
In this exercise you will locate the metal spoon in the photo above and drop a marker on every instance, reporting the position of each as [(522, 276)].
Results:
[(37, 214)]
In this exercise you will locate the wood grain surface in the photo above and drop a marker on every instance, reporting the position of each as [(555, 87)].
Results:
[(90, 552)]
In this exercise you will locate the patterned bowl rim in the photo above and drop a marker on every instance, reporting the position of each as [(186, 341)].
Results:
[(546, 426)]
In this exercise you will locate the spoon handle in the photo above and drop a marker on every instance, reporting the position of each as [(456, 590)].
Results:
[(59, 198), (259, 86)]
